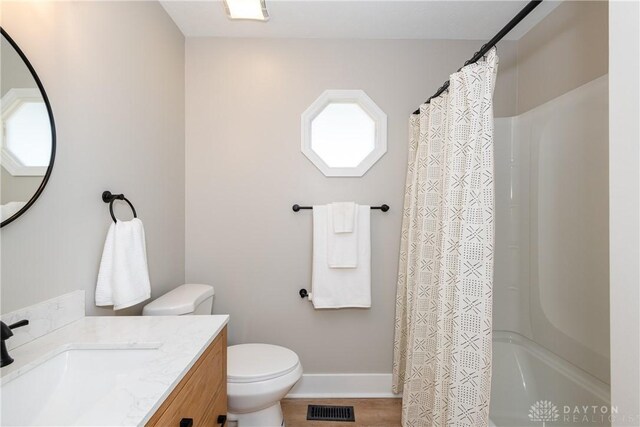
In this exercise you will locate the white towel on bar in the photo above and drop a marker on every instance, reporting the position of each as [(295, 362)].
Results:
[(123, 279), (343, 215), (341, 287), (342, 246)]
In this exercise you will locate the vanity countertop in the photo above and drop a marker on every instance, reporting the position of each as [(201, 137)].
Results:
[(179, 341)]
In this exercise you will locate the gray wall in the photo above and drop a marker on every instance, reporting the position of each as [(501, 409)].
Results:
[(574, 38), (244, 170), (114, 72)]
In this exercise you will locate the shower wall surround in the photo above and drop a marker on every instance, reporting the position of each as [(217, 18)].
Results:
[(552, 263), (569, 225), (118, 102), (511, 271), (554, 237)]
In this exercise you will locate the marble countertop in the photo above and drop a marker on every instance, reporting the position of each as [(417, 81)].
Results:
[(180, 340)]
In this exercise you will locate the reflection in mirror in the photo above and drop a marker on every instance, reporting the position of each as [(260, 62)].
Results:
[(27, 138)]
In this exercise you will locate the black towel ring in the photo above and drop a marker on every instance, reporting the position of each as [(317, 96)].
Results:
[(107, 197)]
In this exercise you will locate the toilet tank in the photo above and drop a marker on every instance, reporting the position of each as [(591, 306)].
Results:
[(185, 299)]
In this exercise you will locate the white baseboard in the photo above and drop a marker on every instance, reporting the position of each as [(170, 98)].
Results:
[(343, 386)]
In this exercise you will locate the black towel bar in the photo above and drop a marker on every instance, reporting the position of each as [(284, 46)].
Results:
[(296, 208)]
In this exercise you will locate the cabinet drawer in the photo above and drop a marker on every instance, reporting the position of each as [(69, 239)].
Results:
[(200, 391)]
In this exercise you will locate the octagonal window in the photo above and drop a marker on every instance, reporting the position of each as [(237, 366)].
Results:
[(344, 133), (25, 139), (28, 134)]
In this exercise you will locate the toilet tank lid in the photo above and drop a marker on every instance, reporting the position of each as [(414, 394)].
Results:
[(182, 300)]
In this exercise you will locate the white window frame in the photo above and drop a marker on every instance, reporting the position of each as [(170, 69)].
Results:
[(345, 96)]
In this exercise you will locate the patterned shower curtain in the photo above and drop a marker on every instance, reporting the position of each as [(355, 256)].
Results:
[(442, 345)]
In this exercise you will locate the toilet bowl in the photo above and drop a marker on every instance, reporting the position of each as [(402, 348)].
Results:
[(258, 375)]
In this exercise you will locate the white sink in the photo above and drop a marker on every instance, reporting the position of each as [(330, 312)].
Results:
[(67, 388)]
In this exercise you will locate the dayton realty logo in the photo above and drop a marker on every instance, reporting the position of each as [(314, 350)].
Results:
[(543, 411)]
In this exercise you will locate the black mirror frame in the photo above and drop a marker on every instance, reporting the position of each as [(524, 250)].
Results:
[(51, 122)]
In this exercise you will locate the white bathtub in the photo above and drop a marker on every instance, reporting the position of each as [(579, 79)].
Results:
[(525, 373)]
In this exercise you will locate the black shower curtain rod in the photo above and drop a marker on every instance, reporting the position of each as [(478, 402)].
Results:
[(491, 43)]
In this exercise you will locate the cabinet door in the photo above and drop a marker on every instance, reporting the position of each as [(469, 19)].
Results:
[(201, 396), (218, 407)]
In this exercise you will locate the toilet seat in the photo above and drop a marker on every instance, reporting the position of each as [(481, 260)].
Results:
[(248, 363)]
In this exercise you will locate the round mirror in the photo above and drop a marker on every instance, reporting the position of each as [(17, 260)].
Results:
[(28, 137)]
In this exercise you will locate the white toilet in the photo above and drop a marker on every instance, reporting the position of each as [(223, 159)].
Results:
[(258, 375)]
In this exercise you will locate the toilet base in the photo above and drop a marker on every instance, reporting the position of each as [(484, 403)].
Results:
[(268, 417)]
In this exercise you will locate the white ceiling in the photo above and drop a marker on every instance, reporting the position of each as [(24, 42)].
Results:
[(379, 19)]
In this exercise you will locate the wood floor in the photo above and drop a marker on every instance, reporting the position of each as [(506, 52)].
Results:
[(369, 412)]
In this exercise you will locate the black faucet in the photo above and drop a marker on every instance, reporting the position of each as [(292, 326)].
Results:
[(5, 334)]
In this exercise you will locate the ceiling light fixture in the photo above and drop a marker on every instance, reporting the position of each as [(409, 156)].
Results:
[(247, 9)]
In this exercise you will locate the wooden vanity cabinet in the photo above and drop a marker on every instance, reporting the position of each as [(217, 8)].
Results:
[(200, 399)]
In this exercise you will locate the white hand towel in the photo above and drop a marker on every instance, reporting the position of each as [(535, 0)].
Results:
[(341, 287), (343, 215), (123, 279), (342, 246)]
